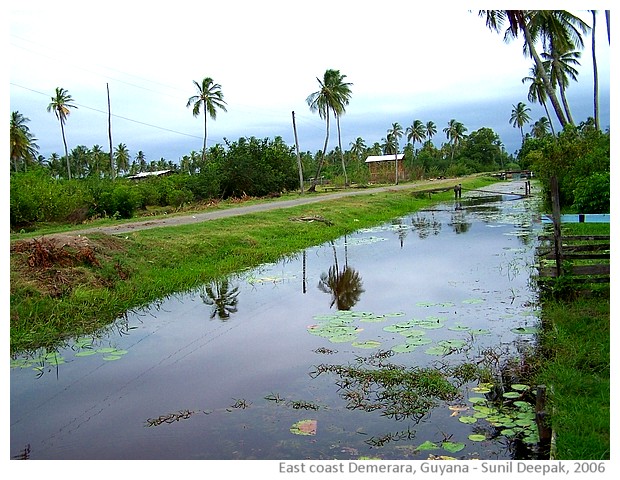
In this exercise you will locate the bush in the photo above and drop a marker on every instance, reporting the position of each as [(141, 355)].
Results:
[(592, 194), (122, 201)]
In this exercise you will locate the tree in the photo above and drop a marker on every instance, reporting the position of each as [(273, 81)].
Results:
[(333, 95), (431, 130), (540, 128), (121, 158), (595, 71), (533, 25), (60, 104), (209, 98), (415, 132), (358, 148), (23, 149), (560, 67), (519, 116), (455, 132), (537, 93), (394, 134)]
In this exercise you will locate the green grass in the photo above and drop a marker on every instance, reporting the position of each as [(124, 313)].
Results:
[(576, 365), (49, 306)]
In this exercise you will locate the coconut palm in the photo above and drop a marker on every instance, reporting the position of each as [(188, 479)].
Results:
[(560, 66), (61, 104), (595, 71), (209, 98), (455, 132), (520, 117), (333, 96), (121, 158), (431, 130), (358, 148), (22, 141), (534, 25), (540, 127), (415, 132), (222, 297), (537, 93), (396, 132)]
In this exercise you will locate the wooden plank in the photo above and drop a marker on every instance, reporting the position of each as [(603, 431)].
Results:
[(577, 270), (579, 256)]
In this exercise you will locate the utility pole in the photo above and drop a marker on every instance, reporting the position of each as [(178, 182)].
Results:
[(110, 133), (301, 173)]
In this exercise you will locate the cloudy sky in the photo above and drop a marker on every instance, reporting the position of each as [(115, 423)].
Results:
[(405, 63)]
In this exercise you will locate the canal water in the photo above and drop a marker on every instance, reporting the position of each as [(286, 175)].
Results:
[(277, 362)]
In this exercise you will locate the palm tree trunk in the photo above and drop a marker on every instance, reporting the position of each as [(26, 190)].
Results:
[(595, 68), (549, 117), (543, 75), (344, 169), (64, 141), (204, 142), (565, 103)]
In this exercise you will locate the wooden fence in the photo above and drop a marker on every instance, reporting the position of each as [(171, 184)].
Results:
[(583, 258)]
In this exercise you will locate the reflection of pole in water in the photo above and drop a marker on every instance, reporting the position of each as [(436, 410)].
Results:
[(303, 281)]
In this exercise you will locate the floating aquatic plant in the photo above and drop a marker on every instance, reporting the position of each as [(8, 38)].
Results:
[(304, 427)]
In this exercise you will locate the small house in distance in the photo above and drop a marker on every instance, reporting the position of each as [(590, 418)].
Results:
[(158, 173), (382, 168)]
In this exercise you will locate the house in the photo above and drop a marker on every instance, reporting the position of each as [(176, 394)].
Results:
[(158, 173), (382, 168)]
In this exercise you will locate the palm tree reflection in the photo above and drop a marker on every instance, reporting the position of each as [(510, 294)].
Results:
[(345, 286), (222, 297)]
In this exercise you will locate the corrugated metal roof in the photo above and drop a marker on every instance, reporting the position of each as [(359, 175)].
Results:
[(150, 174), (383, 158)]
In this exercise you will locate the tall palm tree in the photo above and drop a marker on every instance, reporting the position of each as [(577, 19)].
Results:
[(60, 104), (540, 127), (333, 96), (209, 98), (595, 71), (537, 93), (121, 158), (560, 67), (520, 117), (415, 132), (533, 25), (22, 141), (396, 132), (455, 132), (431, 130), (358, 148)]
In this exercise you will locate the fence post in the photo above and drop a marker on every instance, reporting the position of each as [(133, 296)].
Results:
[(557, 230)]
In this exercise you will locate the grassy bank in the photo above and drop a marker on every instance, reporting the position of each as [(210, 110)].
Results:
[(576, 364), (64, 286)]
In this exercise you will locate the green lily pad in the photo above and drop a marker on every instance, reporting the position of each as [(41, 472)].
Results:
[(509, 432), (453, 447), (468, 419), (480, 331), (85, 353), (476, 437), (111, 357), (418, 341), (453, 343), (106, 350), (511, 395), (404, 348), (459, 328), (428, 445), (519, 387), (437, 350), (475, 400)]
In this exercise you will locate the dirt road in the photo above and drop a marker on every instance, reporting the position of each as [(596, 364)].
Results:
[(305, 199)]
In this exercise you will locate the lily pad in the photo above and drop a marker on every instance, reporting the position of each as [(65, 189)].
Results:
[(404, 348), (480, 331), (304, 427), (459, 328), (476, 437), (85, 353), (453, 447), (473, 301), (511, 395), (428, 445), (367, 344), (418, 341), (519, 387), (468, 419)]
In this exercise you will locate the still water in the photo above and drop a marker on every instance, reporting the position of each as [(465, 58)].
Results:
[(251, 366)]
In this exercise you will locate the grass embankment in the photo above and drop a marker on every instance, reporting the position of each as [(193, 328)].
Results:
[(59, 290), (576, 364)]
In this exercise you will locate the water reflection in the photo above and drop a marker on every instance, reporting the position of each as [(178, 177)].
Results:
[(345, 286), (425, 226), (222, 297)]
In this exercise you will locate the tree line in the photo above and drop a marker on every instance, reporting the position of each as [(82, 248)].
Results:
[(252, 166)]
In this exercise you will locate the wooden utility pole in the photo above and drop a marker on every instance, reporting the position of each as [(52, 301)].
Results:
[(110, 133), (301, 173)]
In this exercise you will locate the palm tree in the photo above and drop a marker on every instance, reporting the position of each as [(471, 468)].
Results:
[(540, 127), (121, 158), (455, 132), (560, 66), (537, 93), (534, 24), (22, 141), (395, 133), (358, 148), (332, 96), (431, 130), (520, 117), (60, 104), (222, 297), (595, 71), (209, 98), (415, 132)]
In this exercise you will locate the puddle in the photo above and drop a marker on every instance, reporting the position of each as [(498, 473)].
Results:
[(278, 362)]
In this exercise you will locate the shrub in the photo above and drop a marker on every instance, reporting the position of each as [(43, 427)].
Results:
[(592, 194)]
